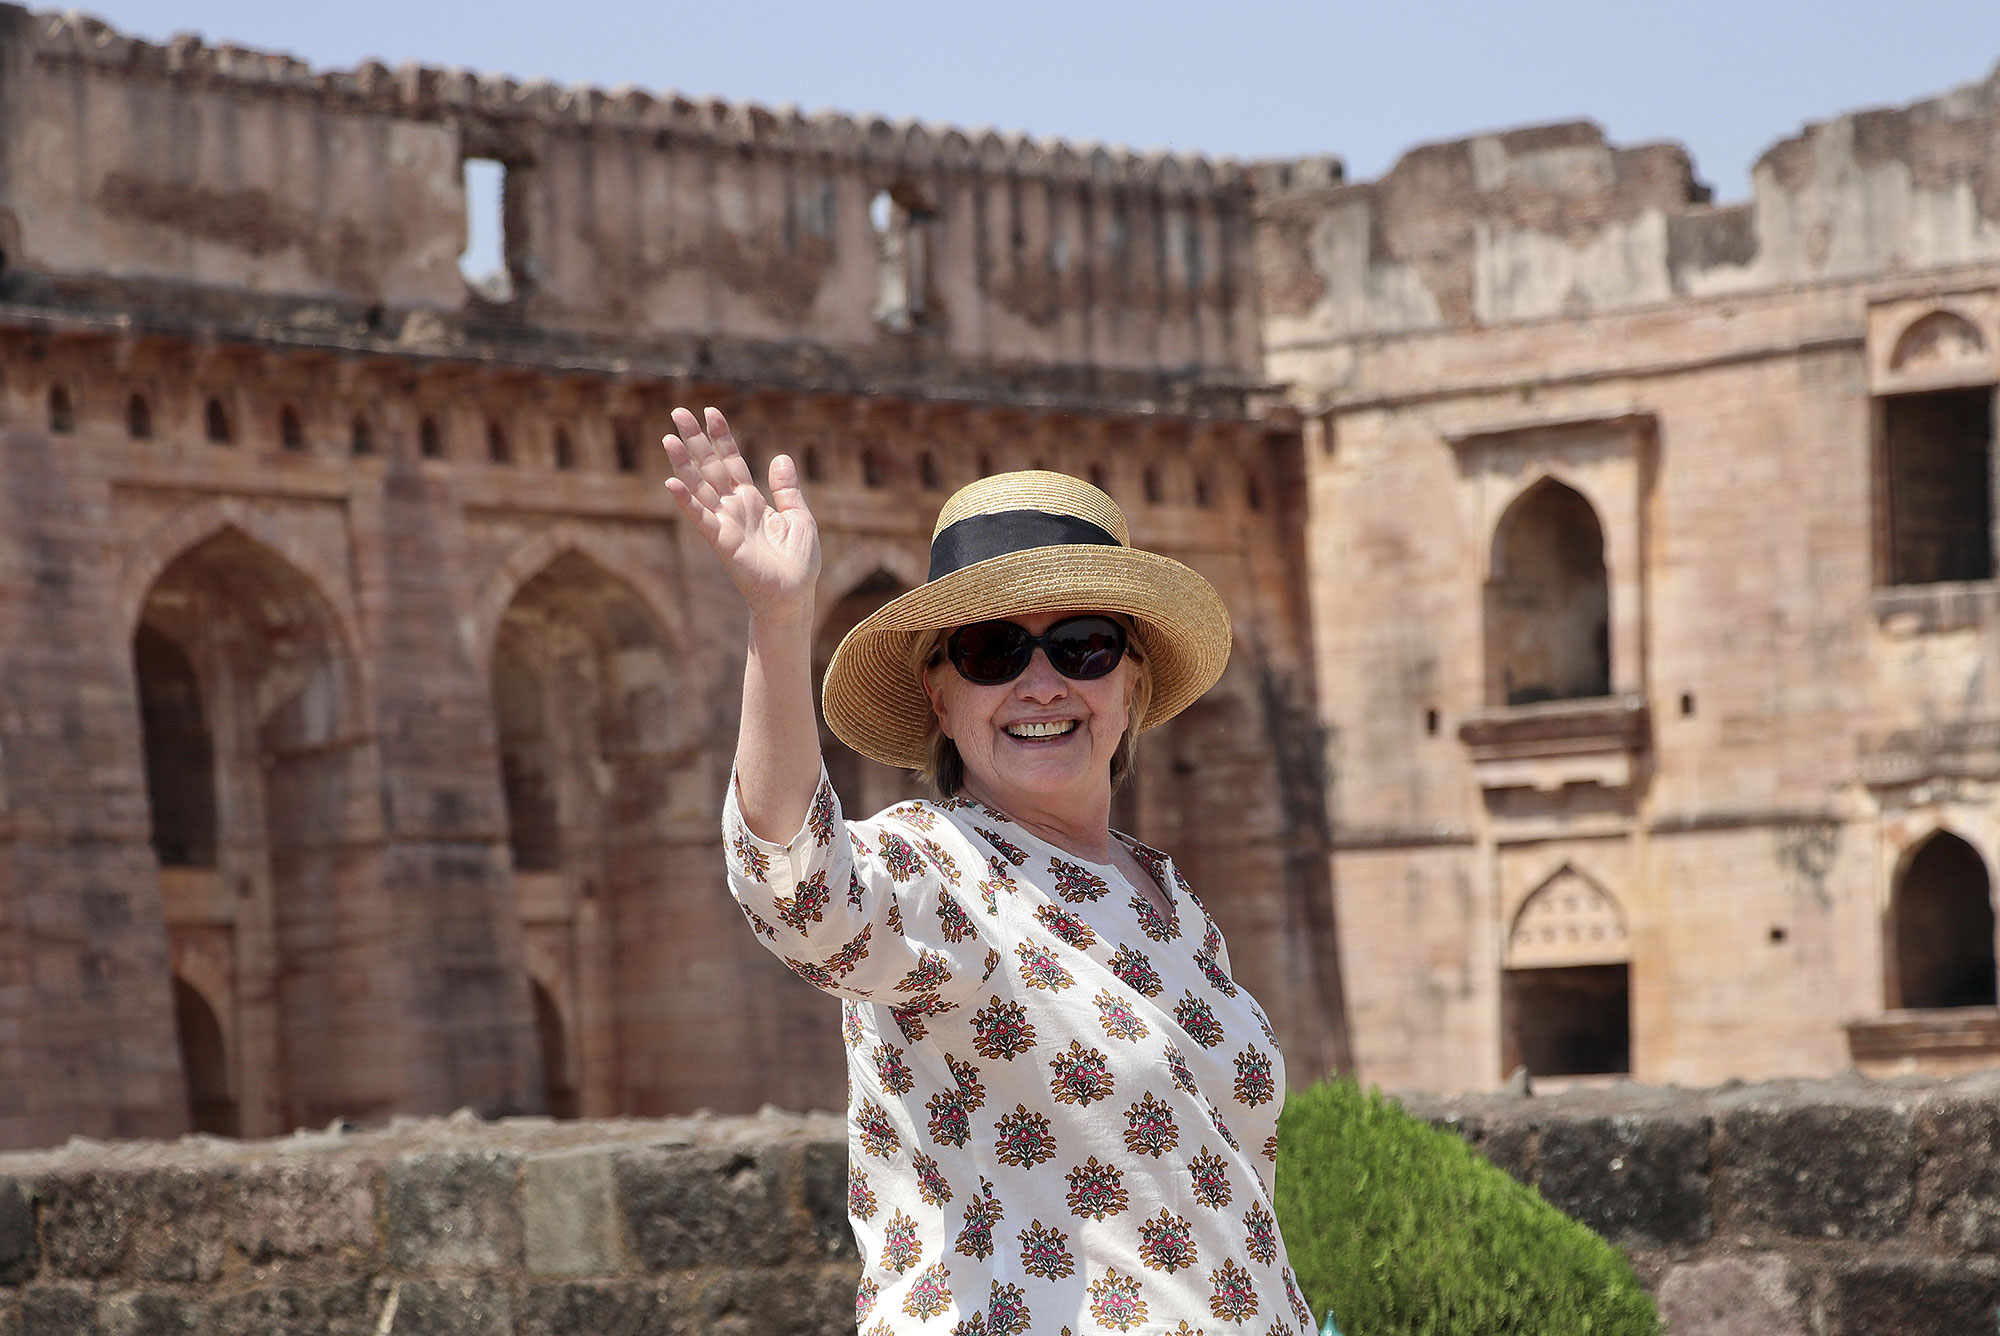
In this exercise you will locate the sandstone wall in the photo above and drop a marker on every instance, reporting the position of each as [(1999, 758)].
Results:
[(1832, 1209), (625, 212), (1725, 822)]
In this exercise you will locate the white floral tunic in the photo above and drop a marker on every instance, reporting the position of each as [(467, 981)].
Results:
[(1062, 1112)]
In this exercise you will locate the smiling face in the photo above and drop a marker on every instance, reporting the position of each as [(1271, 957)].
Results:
[(1040, 741)]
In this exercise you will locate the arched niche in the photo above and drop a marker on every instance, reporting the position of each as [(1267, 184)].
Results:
[(205, 1068), (1548, 600), (1942, 926), (559, 1085), (1937, 339), (253, 750), (865, 786), (595, 738)]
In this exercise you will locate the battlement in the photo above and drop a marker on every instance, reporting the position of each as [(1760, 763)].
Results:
[(627, 217), (1554, 220)]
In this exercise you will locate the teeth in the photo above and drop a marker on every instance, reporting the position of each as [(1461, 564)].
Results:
[(1053, 729)]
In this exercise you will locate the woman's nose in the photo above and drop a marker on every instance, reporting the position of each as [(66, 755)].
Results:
[(1040, 680)]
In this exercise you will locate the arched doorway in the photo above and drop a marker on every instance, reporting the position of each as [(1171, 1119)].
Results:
[(1548, 602), (593, 731), (204, 1064), (865, 787), (558, 1075), (251, 749), (1565, 990), (1943, 927), (180, 753)]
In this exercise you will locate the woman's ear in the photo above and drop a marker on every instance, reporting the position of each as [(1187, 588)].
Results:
[(938, 705)]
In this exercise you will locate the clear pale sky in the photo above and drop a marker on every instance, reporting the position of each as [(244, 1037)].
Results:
[(1257, 78)]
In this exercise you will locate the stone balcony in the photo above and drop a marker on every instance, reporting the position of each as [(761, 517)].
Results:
[(1550, 745), (1943, 1041)]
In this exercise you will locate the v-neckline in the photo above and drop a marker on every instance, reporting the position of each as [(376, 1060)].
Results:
[(1165, 880)]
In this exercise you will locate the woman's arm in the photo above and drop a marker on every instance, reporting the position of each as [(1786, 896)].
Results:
[(770, 550)]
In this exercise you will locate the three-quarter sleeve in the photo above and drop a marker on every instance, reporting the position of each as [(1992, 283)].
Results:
[(865, 909)]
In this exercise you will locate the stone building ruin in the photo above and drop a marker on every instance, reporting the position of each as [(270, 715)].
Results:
[(1612, 573)]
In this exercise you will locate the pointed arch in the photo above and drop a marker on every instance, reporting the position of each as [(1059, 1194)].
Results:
[(1941, 926), (534, 555), (184, 531), (862, 564), (1569, 919), (1547, 599)]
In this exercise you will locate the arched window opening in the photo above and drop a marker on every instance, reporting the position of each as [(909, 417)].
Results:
[(216, 419), (564, 449), (625, 446), (865, 787), (1253, 492), (872, 472), (1944, 927), (430, 439), (1150, 480), (927, 471), (985, 463), (1098, 478), (1202, 496), (811, 463), (204, 1064), (62, 413), (138, 417), (559, 1090), (361, 436), (291, 428), (1548, 603), (179, 750), (498, 450), (527, 764)]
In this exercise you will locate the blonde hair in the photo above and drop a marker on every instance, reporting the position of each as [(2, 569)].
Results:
[(943, 771)]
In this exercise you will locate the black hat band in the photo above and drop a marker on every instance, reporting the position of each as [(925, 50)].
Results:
[(978, 538)]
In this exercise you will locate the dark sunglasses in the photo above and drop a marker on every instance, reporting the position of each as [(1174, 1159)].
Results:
[(989, 653)]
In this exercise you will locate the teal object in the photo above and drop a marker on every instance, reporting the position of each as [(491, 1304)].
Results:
[(1329, 1327)]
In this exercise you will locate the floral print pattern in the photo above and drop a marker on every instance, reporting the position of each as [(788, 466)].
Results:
[(1062, 1105)]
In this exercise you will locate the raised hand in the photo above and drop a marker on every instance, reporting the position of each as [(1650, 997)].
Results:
[(769, 547)]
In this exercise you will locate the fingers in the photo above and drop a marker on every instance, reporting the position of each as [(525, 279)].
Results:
[(726, 449), (709, 479), (702, 517)]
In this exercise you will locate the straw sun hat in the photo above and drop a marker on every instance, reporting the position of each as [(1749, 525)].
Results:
[(1011, 544)]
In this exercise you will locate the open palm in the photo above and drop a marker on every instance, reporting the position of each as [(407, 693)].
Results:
[(770, 547)]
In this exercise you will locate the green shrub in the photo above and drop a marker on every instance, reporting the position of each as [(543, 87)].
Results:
[(1399, 1227)]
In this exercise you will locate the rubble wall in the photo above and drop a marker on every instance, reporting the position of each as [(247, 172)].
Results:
[(1827, 1209)]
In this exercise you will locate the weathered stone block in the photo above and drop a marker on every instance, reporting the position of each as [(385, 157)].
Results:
[(1510, 1146), (58, 1310), (569, 1214), (155, 1224), (601, 1308), (451, 1308), (685, 1206), (454, 1211), (1819, 1170), (20, 1251), (1958, 1182), (823, 1175), (751, 1303), (1916, 1297), (1755, 1295), (1639, 1180), (348, 1307), (150, 1313), (302, 1209)]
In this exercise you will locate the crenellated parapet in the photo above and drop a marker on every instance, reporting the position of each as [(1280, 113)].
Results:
[(1554, 221), (628, 216)]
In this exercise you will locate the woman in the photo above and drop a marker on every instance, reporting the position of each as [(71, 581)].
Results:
[(1062, 1110)]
